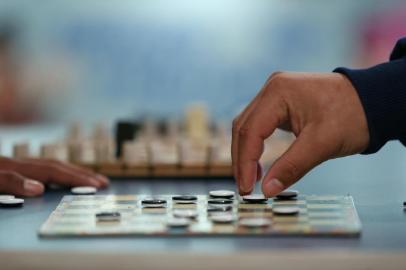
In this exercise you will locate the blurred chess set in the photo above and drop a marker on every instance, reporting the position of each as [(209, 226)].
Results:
[(192, 147)]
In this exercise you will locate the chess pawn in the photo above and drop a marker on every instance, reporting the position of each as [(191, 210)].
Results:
[(75, 132), (164, 153), (81, 152), (221, 131), (220, 151), (104, 151), (135, 153), (21, 150), (53, 151), (173, 130), (100, 133), (197, 123), (150, 129), (192, 154)]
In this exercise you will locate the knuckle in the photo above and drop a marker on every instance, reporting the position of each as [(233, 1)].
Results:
[(277, 81), (243, 131), (55, 162), (325, 145), (54, 170), (275, 74), (236, 125), (292, 170), (10, 179), (12, 176)]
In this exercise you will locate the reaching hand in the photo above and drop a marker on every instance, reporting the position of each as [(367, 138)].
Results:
[(323, 110), (27, 177)]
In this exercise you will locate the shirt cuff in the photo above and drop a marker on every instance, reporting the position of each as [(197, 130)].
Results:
[(382, 91)]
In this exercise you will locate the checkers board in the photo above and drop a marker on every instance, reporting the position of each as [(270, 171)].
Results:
[(318, 216)]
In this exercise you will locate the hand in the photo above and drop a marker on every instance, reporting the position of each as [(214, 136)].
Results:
[(323, 110), (27, 177)]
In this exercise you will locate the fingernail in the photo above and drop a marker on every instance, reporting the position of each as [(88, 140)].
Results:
[(245, 188), (32, 187), (273, 187)]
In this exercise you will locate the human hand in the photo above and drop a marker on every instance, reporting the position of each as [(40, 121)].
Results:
[(26, 177), (323, 110)]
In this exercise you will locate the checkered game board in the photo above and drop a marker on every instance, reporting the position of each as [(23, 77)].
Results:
[(318, 216)]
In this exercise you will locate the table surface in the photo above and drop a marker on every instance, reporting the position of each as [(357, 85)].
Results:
[(377, 183)]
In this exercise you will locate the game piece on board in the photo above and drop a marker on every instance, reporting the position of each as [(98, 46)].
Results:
[(103, 151), (100, 132), (197, 122), (219, 208), (163, 153), (21, 150), (286, 210), (162, 126), (220, 158), (227, 194), (135, 153), (54, 151), (219, 201), (150, 129), (222, 218), (74, 132), (178, 222), (254, 198), (164, 158), (287, 194), (48, 151), (136, 158), (184, 199), (6, 197), (108, 216), (255, 222), (125, 131), (173, 130), (185, 213), (193, 158), (221, 131), (81, 152), (15, 202), (153, 203), (84, 190), (104, 147)]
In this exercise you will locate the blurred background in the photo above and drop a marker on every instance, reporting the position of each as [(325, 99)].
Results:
[(91, 60), (100, 60)]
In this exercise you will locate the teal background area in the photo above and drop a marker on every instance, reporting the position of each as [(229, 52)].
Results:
[(131, 58)]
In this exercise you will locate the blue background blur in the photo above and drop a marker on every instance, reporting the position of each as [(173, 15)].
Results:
[(124, 58)]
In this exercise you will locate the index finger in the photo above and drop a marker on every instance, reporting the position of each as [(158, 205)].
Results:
[(51, 172), (259, 125), (71, 167), (237, 125)]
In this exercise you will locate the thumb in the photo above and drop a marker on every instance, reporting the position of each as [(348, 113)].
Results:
[(306, 152), (16, 184)]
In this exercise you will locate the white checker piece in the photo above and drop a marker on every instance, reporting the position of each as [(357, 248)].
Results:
[(255, 222), (85, 190)]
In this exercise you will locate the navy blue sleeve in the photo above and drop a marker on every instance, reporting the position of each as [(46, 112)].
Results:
[(382, 91)]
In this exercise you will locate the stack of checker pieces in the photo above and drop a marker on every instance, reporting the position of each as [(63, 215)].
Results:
[(101, 215), (150, 148)]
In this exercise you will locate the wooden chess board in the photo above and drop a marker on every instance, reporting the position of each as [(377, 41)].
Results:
[(318, 216), (141, 150)]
